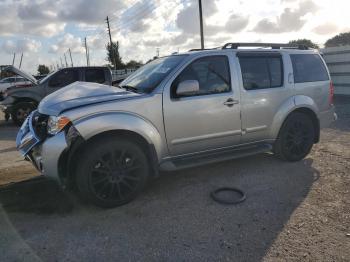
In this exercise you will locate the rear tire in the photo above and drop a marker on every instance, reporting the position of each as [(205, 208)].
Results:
[(111, 173), (296, 138), (20, 111)]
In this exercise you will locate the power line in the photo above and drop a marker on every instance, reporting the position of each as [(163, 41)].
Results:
[(132, 22), (111, 43), (86, 52), (65, 58), (13, 60), (20, 63), (70, 54), (201, 23)]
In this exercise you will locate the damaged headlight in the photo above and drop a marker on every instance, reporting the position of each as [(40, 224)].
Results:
[(56, 123)]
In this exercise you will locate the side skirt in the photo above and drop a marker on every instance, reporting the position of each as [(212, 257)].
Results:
[(182, 162)]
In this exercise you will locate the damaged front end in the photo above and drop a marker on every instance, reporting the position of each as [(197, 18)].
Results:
[(49, 152)]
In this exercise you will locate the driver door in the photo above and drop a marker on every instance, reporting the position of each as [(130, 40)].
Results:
[(208, 119)]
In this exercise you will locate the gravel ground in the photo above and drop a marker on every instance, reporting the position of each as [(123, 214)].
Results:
[(293, 211)]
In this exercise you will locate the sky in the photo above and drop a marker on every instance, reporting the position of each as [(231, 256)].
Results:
[(44, 30)]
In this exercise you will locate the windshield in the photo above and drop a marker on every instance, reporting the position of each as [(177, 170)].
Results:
[(150, 75), (46, 77)]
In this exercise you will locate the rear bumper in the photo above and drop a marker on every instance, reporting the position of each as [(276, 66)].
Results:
[(327, 117)]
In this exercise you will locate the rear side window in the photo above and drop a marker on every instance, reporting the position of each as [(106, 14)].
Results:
[(259, 72), (308, 68), (95, 75)]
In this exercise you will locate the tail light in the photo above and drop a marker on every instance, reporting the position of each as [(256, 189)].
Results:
[(331, 93)]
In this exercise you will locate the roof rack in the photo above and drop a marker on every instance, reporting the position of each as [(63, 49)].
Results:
[(272, 45), (200, 49)]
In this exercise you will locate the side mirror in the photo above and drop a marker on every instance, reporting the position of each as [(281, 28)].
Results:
[(187, 88)]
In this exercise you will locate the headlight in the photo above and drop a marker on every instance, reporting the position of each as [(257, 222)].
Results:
[(56, 123)]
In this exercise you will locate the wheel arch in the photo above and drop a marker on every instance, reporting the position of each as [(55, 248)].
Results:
[(25, 96), (69, 160), (111, 125), (302, 104)]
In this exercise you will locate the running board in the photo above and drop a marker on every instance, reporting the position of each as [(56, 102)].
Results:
[(213, 157)]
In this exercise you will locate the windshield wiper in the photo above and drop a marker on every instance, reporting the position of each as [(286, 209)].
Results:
[(130, 88)]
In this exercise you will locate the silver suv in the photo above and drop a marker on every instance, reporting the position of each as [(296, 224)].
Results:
[(180, 111)]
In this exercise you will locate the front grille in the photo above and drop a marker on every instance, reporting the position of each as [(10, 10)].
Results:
[(39, 123)]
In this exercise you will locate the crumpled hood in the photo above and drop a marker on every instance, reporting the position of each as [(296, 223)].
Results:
[(80, 94)]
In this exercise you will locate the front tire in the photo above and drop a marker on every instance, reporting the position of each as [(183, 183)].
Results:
[(296, 137), (20, 112), (111, 173)]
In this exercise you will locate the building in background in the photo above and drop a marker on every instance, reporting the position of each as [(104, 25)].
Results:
[(338, 62)]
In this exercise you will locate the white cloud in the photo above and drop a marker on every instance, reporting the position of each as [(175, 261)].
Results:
[(21, 46), (289, 20), (326, 29), (66, 42), (142, 26)]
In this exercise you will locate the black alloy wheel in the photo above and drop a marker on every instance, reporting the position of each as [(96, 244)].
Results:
[(112, 173), (296, 137)]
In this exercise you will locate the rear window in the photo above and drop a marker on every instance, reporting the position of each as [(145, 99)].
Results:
[(95, 75), (260, 72), (308, 68)]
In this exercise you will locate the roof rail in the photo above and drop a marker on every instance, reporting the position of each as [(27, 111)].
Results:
[(272, 45), (200, 49)]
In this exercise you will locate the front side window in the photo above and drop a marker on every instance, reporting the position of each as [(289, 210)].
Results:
[(64, 78), (212, 74), (95, 75), (261, 72), (308, 68)]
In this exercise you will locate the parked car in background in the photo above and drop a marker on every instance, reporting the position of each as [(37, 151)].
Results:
[(178, 112), (12, 81), (19, 102)]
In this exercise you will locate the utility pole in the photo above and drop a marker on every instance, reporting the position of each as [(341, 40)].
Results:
[(65, 58), (20, 63), (201, 23), (13, 60), (86, 52), (157, 51), (70, 54), (111, 43)]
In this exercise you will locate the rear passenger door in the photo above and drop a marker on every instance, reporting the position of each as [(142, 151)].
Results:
[(95, 75), (264, 90)]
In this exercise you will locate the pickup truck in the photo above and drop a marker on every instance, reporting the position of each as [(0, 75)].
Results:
[(18, 102), (177, 112)]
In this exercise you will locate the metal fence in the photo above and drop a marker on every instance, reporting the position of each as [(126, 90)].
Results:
[(122, 73), (338, 62)]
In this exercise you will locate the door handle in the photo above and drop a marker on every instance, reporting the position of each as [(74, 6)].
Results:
[(230, 102)]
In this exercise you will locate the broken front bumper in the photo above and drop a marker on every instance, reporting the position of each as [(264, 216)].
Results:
[(43, 154)]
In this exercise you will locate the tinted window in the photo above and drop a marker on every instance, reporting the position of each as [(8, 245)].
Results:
[(95, 75), (261, 72), (212, 73), (63, 78), (308, 68)]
